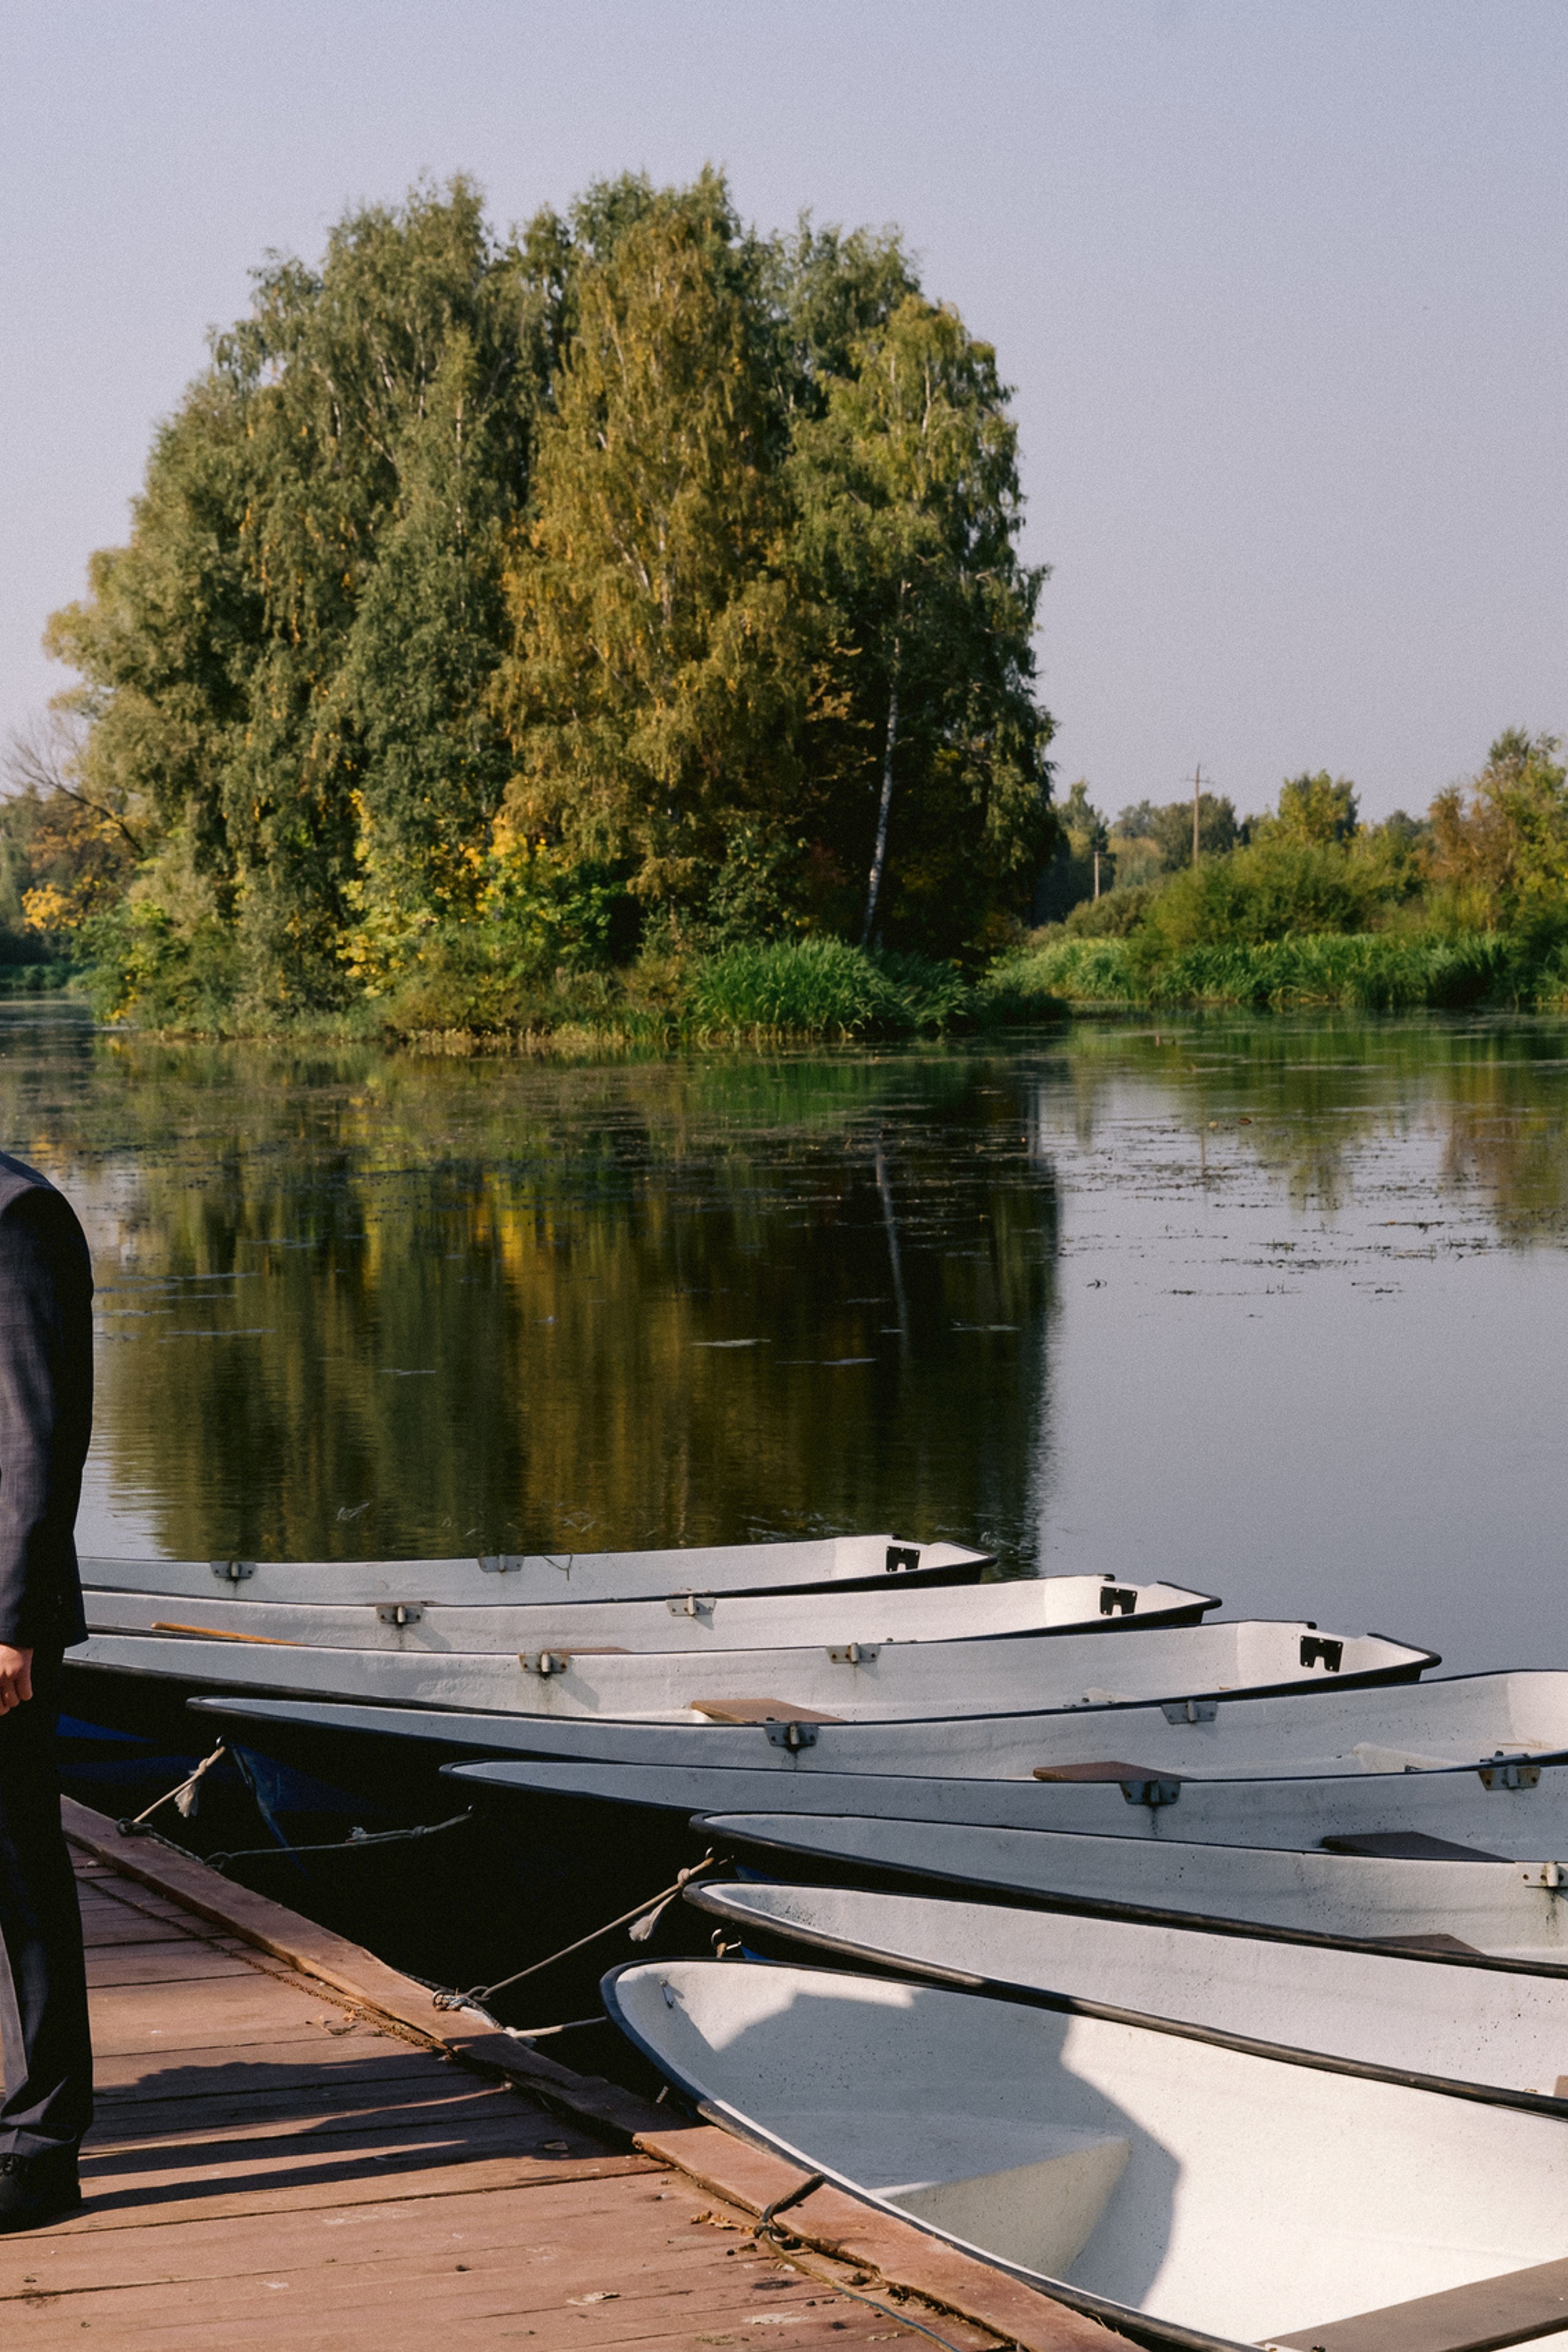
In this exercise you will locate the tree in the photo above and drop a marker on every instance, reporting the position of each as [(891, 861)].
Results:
[(1083, 866), (655, 682), (419, 664), (475, 585), (909, 507), (1150, 840), (303, 741), (1501, 849), (1316, 808), (65, 853), (1082, 827)]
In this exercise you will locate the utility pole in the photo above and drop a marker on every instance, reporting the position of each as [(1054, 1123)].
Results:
[(1197, 788)]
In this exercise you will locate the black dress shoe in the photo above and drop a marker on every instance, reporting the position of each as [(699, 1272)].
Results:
[(37, 2189)]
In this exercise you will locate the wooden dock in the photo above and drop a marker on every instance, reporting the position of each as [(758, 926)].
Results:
[(295, 2152)]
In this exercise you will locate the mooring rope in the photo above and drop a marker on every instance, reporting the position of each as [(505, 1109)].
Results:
[(650, 1909), (539, 2033), (183, 1796), (355, 1840), (765, 2233), (186, 1794)]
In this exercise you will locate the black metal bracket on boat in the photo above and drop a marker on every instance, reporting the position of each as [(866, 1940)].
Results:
[(1151, 1792), (1115, 1599), (233, 1571), (544, 1662), (901, 1557), (793, 1736), (399, 1613), (1510, 1773), (1321, 1650), (1189, 1710)]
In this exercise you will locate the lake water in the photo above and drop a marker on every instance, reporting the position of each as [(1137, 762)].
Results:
[(1276, 1308)]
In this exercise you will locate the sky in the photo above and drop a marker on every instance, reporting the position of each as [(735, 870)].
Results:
[(1278, 286)]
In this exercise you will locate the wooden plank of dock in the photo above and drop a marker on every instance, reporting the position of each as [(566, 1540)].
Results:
[(287, 2159)]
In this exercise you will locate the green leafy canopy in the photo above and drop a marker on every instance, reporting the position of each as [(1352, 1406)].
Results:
[(634, 541)]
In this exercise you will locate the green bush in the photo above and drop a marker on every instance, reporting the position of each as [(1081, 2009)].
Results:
[(1111, 917), (1062, 970), (1273, 889), (1371, 973), (138, 964), (820, 988), (1361, 972), (932, 995)]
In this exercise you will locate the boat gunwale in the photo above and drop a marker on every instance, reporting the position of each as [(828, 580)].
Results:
[(1182, 1616), (1406, 1673), (997, 1896), (901, 1965), (968, 1567)]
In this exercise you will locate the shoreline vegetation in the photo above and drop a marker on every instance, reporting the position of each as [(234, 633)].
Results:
[(614, 635)]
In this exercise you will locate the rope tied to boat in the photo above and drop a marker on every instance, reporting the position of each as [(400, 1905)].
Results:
[(796, 2196), (184, 1796), (355, 1843), (643, 1916), (765, 2234)]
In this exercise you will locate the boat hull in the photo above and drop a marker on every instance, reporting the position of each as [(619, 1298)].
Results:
[(1443, 2011), (1014, 1608), (1297, 1815), (840, 1562), (1520, 1816), (1187, 2192), (1511, 1910), (1186, 1673)]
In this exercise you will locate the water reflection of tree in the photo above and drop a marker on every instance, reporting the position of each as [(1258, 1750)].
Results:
[(1316, 1093), (1518, 1158), (389, 1305)]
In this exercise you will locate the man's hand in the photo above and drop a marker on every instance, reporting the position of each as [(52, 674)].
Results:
[(15, 1678)]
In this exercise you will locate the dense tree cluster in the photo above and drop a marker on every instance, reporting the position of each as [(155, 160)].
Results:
[(492, 604)]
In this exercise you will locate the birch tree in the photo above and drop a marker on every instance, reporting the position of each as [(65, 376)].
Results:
[(909, 507)]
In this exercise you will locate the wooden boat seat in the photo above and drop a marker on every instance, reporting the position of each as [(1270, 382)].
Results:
[(1103, 1771), (1374, 1757), (1031, 2193), (1495, 2311), (759, 1710), (1407, 1846)]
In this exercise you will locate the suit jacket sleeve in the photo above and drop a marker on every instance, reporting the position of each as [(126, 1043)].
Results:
[(45, 1411)]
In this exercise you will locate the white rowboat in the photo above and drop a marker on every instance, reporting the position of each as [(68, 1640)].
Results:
[(891, 1611), (1514, 1808), (1221, 2195), (1400, 1730), (1404, 1887), (1465, 1806), (844, 1683), (554, 1577), (1428, 2012)]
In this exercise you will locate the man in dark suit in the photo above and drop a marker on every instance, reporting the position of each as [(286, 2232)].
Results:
[(46, 1419)]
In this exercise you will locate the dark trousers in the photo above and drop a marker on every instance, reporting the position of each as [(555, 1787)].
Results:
[(43, 1977)]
